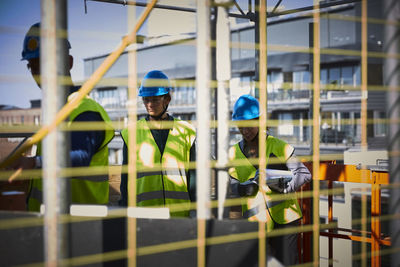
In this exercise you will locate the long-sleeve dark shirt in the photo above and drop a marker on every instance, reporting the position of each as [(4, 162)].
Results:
[(84, 144)]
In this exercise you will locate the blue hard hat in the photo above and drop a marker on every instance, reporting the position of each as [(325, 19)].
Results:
[(246, 108), (31, 48), (155, 83)]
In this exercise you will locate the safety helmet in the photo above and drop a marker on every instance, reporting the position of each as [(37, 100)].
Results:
[(31, 48), (155, 83), (246, 108)]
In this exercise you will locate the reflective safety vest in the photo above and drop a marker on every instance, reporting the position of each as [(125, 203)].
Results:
[(162, 179), (261, 208), (84, 189)]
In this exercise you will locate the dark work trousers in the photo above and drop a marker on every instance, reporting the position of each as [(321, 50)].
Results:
[(284, 247)]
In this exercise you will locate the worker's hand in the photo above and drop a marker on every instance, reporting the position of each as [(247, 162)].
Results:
[(248, 188), (278, 186), (22, 163)]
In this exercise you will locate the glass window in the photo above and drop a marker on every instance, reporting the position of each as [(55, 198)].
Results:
[(235, 41), (357, 75), (347, 76), (192, 95), (301, 79), (247, 84), (324, 76), (334, 76), (285, 124), (379, 123), (275, 82), (306, 77), (239, 86), (176, 96), (184, 95), (123, 96), (276, 79), (247, 44)]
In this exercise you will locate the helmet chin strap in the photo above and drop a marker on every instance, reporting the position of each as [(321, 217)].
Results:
[(158, 117)]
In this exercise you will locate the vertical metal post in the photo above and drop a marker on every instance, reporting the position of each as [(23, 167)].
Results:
[(307, 236), (391, 75), (223, 77), (375, 220), (132, 113), (330, 220), (311, 68), (256, 41), (262, 133), (214, 101), (316, 132), (55, 146), (364, 145), (203, 79)]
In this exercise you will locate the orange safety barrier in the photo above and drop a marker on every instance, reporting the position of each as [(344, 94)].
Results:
[(329, 171)]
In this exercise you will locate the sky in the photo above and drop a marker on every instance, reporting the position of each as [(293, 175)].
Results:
[(95, 33)]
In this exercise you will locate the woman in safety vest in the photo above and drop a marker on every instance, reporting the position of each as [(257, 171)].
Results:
[(164, 148), (258, 204)]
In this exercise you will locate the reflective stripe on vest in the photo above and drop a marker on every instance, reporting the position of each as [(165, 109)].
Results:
[(164, 172), (169, 185), (160, 195), (251, 212), (282, 211), (93, 178), (86, 189)]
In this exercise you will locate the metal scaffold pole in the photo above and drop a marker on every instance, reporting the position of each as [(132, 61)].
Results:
[(203, 84), (132, 122), (315, 132), (392, 81), (364, 98), (223, 77), (262, 72), (54, 67)]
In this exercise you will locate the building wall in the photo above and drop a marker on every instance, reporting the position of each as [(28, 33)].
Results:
[(20, 116)]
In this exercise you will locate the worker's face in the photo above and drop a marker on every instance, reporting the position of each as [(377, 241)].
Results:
[(249, 133), (155, 105), (34, 67)]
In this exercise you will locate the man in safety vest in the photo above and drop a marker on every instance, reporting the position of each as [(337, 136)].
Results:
[(165, 147), (88, 148), (257, 203)]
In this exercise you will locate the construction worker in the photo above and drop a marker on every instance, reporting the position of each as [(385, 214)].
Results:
[(165, 147), (257, 204), (88, 148)]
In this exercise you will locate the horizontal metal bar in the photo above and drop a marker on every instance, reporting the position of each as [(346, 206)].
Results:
[(246, 16), (347, 173), (385, 242), (308, 8)]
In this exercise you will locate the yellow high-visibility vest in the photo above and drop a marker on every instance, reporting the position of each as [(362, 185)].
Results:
[(162, 179), (261, 208), (84, 189)]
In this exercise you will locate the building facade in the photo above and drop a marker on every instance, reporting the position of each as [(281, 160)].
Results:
[(289, 77)]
